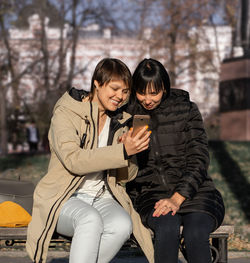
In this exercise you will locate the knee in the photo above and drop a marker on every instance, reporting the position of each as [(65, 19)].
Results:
[(196, 234), (90, 219), (122, 227), (167, 230)]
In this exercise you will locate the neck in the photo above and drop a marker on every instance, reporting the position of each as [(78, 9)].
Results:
[(101, 110), (102, 116), (102, 113)]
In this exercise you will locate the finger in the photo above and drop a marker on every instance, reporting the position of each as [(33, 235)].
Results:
[(142, 141), (161, 211), (145, 136), (156, 213), (143, 149), (143, 146), (123, 137), (159, 203), (130, 131), (141, 132), (166, 212), (156, 205), (173, 213), (140, 149)]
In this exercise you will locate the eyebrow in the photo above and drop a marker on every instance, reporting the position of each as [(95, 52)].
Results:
[(118, 86)]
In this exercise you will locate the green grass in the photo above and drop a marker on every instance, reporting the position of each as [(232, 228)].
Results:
[(229, 168)]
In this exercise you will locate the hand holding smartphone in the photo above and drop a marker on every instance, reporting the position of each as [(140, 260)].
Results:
[(134, 144), (139, 121)]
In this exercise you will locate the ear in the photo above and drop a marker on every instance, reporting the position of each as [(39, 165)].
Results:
[(96, 84)]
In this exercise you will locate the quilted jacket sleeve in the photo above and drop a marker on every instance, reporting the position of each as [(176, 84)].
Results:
[(197, 155)]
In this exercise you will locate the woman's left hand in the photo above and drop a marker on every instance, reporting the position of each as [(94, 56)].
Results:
[(164, 206)]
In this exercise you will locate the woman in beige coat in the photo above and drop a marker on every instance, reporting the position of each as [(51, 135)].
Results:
[(83, 194)]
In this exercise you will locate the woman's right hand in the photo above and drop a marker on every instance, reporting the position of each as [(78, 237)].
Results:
[(137, 143)]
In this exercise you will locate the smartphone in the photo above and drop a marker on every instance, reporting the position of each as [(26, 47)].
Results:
[(139, 121)]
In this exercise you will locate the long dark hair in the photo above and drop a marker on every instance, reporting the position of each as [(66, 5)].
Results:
[(110, 69), (152, 74)]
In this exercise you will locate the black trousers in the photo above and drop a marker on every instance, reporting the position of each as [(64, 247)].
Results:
[(33, 146), (196, 230)]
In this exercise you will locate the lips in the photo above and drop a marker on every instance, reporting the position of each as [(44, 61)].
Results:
[(148, 106), (115, 102)]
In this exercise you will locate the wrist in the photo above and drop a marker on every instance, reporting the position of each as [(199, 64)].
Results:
[(178, 198)]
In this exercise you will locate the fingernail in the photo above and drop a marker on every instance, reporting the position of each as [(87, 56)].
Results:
[(131, 129), (150, 132), (146, 127)]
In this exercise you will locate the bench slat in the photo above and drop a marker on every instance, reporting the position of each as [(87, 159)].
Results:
[(21, 232), (229, 229), (13, 233)]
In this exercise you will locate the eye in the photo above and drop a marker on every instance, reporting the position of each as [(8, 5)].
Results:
[(154, 92), (126, 91)]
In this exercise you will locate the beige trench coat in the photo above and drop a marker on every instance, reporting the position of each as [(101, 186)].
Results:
[(68, 165)]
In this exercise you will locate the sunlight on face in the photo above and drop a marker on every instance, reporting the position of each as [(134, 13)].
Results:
[(150, 99), (110, 96)]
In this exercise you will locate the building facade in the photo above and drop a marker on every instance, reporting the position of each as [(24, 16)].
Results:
[(94, 44)]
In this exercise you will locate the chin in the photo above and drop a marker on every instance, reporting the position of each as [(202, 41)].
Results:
[(112, 108), (149, 108)]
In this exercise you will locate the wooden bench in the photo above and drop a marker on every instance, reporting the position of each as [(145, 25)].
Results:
[(218, 244), (12, 237)]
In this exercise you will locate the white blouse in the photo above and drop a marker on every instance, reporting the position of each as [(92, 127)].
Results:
[(93, 182)]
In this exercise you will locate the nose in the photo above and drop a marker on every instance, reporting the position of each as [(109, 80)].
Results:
[(147, 99), (119, 94)]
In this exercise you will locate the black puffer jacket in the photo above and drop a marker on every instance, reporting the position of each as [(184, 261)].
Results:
[(179, 138)]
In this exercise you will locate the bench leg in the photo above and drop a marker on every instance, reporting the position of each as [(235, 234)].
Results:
[(218, 249), (221, 246)]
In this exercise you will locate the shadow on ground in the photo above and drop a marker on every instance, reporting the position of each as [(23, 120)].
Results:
[(233, 175)]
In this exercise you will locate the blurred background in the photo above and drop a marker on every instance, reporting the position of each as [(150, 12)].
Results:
[(48, 46)]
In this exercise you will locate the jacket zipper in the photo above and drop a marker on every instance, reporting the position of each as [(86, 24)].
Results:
[(91, 116), (84, 136)]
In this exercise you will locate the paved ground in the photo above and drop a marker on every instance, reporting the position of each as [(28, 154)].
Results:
[(122, 257)]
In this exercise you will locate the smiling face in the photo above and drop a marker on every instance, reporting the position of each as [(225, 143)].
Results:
[(111, 95), (150, 99), (150, 82)]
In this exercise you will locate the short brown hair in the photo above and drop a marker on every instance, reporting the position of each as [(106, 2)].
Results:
[(110, 69)]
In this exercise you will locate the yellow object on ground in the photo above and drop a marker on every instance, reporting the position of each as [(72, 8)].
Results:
[(13, 215)]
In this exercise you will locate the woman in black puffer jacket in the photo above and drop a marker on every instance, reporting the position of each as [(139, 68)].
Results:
[(172, 187)]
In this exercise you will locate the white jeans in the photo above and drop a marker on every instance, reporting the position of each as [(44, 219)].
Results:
[(98, 231)]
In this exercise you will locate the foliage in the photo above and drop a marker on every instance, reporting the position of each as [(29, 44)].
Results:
[(33, 79)]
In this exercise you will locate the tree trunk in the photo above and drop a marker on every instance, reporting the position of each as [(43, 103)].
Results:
[(3, 126)]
